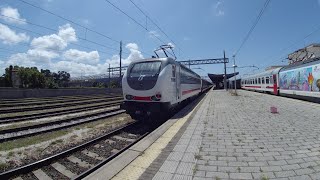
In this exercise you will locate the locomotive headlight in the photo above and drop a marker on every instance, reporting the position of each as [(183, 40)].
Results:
[(129, 97), (156, 97)]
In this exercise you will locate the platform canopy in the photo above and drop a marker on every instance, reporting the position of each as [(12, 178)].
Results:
[(217, 79)]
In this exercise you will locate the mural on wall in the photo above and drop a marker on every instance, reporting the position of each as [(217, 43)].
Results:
[(302, 79)]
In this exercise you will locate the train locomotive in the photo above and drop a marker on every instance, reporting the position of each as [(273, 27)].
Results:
[(300, 80), (156, 86)]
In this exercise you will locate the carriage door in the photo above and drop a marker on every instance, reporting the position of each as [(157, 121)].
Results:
[(275, 86)]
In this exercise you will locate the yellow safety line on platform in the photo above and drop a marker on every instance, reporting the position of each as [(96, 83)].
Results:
[(137, 167)]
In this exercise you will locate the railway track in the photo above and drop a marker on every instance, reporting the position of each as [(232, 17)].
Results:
[(79, 161), (52, 101), (27, 131), (53, 112), (57, 105), (27, 100)]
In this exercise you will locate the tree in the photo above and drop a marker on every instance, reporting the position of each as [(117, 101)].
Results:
[(64, 78), (31, 77)]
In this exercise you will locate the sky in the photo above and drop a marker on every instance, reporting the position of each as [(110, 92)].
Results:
[(83, 39)]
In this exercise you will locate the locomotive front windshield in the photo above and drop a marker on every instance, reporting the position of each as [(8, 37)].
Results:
[(145, 69)]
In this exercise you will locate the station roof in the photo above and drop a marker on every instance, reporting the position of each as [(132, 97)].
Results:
[(216, 78)]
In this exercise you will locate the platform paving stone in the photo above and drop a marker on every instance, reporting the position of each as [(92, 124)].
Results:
[(237, 137)]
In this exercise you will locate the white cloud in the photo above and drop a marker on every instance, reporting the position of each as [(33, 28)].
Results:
[(172, 45), (44, 48), (47, 52), (56, 42), (12, 15), (132, 46), (8, 36), (82, 56), (67, 33), (135, 54), (74, 68), (50, 42), (218, 8), (33, 57), (153, 34)]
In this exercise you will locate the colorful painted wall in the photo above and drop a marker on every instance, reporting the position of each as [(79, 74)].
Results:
[(302, 79)]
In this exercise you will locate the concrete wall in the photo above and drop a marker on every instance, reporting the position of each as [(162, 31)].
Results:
[(15, 93)]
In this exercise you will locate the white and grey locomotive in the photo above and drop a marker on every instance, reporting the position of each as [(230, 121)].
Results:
[(155, 86)]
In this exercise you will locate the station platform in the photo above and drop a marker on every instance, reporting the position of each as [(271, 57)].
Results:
[(228, 137)]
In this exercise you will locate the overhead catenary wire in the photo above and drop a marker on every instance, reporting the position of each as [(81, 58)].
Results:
[(71, 21), (54, 30), (148, 17), (253, 26), (283, 57), (143, 27)]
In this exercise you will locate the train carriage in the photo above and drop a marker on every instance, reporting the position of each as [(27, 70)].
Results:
[(267, 81), (301, 79)]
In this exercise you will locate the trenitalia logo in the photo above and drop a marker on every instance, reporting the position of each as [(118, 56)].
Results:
[(141, 77)]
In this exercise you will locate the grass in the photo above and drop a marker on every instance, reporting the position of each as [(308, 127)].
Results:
[(207, 163), (3, 166), (234, 94), (11, 153), (210, 135), (197, 156), (217, 178), (195, 169), (57, 141), (9, 145), (264, 177)]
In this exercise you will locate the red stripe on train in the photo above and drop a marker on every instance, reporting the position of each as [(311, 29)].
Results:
[(253, 86), (189, 91)]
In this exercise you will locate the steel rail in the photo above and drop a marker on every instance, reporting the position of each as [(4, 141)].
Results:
[(3, 105), (44, 162), (58, 112), (23, 108), (19, 136)]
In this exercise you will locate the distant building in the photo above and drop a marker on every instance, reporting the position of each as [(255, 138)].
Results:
[(16, 81), (311, 51)]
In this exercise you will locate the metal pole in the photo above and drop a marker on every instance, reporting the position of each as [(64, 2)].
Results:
[(109, 77), (120, 58), (225, 71), (235, 76)]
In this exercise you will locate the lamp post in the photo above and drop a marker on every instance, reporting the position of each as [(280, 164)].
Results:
[(235, 76), (109, 75)]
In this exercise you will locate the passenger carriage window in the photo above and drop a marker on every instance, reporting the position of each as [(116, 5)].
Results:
[(267, 80), (259, 81), (262, 80), (255, 81)]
